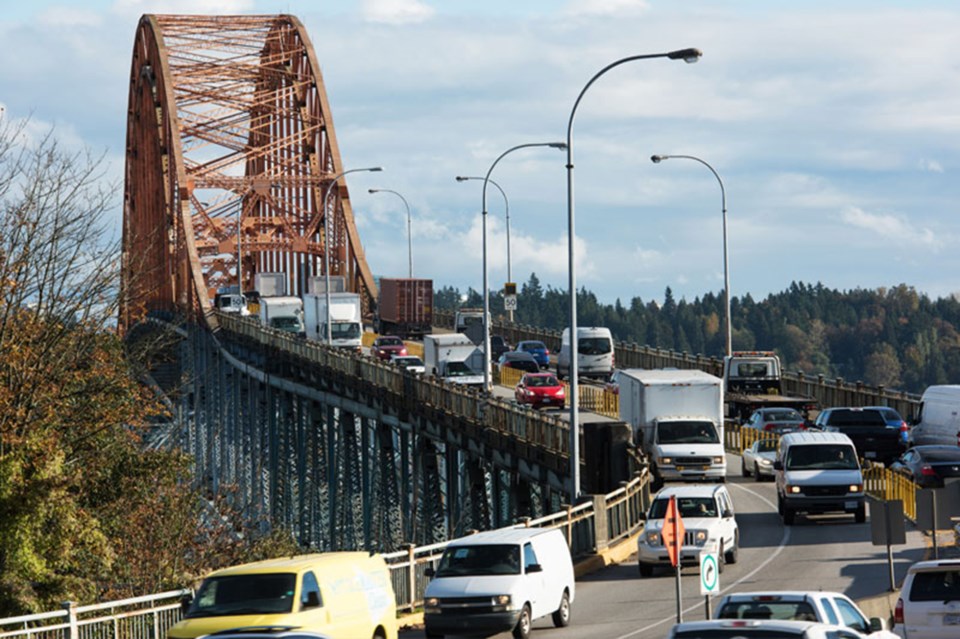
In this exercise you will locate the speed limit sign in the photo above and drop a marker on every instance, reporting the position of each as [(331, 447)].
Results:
[(510, 303)]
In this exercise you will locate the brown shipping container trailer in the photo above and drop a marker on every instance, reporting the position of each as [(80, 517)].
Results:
[(405, 308)]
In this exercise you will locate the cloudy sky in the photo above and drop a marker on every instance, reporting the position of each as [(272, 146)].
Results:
[(835, 127)]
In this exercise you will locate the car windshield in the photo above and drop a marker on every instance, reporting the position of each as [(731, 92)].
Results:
[(407, 361), (782, 416), (821, 457), (947, 454), (593, 346), (244, 595), (345, 330), (846, 417), (541, 381), (767, 446), (689, 507), (796, 610), (493, 559), (459, 369), (687, 433), (390, 341), (291, 324), (938, 585), (532, 346)]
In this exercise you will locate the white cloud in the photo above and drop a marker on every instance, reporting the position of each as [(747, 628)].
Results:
[(606, 7), (396, 11), (209, 7), (61, 16), (931, 165), (891, 227)]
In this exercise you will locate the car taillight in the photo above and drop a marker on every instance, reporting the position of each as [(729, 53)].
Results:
[(898, 611), (403, 351), (927, 471), (768, 427)]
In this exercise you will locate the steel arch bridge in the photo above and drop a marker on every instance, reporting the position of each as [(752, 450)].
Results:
[(230, 141)]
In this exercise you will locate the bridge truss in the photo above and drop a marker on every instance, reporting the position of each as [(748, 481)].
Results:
[(230, 152)]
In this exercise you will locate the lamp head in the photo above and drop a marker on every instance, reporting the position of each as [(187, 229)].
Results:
[(462, 178), (657, 159), (687, 55), (373, 190), (375, 169), (557, 145)]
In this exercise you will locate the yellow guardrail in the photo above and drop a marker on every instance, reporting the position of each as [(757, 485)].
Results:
[(883, 483), (413, 348), (592, 398)]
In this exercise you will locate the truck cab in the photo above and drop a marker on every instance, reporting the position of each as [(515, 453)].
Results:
[(753, 372)]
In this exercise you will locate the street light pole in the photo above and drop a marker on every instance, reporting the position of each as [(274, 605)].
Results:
[(690, 56), (656, 159), (506, 205), (486, 287), (326, 241), (409, 236)]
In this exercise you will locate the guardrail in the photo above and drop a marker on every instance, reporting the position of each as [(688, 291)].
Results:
[(147, 617)]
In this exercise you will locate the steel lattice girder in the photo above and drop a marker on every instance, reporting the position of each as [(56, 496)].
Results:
[(228, 124)]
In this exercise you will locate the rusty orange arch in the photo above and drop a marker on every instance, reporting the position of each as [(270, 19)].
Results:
[(229, 139)]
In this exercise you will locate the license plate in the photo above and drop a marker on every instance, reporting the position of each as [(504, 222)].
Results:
[(870, 454), (681, 468), (850, 505), (707, 467), (951, 620)]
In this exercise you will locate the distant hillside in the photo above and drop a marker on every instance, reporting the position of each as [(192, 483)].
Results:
[(894, 337)]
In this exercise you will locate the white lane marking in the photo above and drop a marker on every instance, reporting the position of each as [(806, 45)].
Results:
[(783, 542)]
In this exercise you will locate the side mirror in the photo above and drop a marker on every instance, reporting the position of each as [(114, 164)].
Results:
[(534, 568), (778, 465), (313, 599), (727, 513), (185, 602), (876, 624), (429, 572)]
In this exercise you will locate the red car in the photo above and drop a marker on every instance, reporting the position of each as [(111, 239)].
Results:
[(385, 346), (540, 390)]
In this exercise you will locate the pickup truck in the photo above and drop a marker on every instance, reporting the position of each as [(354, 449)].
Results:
[(874, 439), (753, 380), (822, 606)]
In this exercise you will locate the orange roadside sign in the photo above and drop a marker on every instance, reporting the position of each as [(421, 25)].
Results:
[(673, 531)]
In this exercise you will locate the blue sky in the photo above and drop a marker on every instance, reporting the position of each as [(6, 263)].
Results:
[(834, 126)]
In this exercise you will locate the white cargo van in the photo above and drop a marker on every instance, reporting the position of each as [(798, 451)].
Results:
[(594, 352), (500, 580), (939, 418)]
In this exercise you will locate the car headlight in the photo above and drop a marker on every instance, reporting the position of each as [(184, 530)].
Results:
[(652, 537), (666, 460), (500, 603), (766, 462), (431, 605), (793, 490), (856, 488), (700, 537), (718, 460)]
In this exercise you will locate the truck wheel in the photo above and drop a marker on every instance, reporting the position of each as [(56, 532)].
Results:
[(861, 515), (646, 570), (756, 473), (788, 516), (779, 505), (731, 556), (433, 635), (561, 616), (522, 629), (721, 558)]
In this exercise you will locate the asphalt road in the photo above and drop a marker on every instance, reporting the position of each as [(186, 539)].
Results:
[(819, 553)]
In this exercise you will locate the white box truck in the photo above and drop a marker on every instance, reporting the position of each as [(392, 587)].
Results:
[(346, 322), (453, 358), (283, 314), (677, 421)]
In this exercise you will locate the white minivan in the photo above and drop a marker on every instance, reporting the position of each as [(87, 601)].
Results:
[(939, 419), (594, 352), (500, 580)]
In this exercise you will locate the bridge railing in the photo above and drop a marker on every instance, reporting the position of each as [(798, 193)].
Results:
[(829, 392), (147, 617)]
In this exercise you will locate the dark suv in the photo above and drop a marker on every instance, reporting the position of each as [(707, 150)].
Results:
[(873, 437)]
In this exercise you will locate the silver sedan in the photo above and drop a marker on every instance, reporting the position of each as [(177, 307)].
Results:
[(758, 459)]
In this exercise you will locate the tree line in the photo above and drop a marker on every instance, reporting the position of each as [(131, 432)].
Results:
[(895, 337)]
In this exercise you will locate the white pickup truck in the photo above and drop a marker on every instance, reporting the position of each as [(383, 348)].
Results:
[(825, 607)]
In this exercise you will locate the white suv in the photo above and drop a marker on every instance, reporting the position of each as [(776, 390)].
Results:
[(929, 604), (707, 514)]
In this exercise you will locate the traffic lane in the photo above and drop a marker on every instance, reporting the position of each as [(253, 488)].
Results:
[(617, 603)]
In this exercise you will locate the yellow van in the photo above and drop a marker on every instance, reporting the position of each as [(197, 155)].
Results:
[(344, 595)]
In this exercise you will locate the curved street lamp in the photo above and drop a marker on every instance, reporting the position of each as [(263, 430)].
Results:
[(486, 288), (506, 205), (326, 240), (409, 236), (656, 159), (689, 56)]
